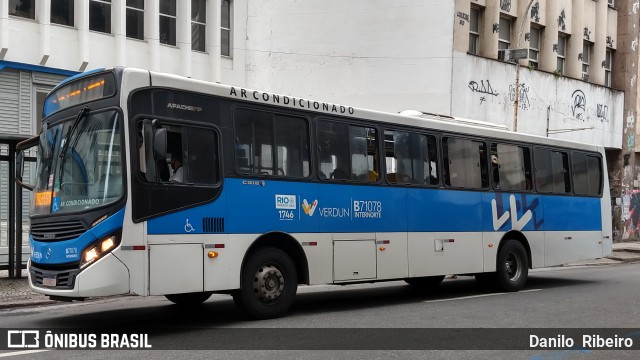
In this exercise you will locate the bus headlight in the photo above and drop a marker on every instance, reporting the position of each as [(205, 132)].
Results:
[(98, 249)]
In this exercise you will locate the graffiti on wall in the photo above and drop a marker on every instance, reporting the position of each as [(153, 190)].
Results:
[(505, 5), (523, 95), (535, 12), (609, 42), (631, 214), (464, 18), (601, 112), (578, 104), (561, 24)]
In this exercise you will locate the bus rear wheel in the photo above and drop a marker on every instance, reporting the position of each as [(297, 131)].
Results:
[(268, 284), (188, 299), (513, 266), (512, 269)]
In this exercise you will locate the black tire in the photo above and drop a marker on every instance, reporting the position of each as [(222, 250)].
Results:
[(512, 268), (189, 299), (268, 284), (425, 282)]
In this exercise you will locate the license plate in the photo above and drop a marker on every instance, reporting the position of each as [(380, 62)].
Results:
[(49, 281)]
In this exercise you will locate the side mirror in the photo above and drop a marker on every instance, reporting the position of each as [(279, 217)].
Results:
[(160, 144), (20, 148)]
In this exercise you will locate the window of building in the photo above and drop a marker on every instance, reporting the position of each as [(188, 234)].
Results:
[(411, 158), (198, 24), (552, 171), (168, 22), (474, 30), (511, 167), (612, 3), (465, 163), (62, 12), (347, 152), (534, 46), (607, 67), (587, 47), (100, 16), (504, 34), (271, 144), (135, 19), (225, 28), (562, 53), (23, 8), (587, 174)]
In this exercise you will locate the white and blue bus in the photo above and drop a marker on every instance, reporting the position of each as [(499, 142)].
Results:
[(276, 191)]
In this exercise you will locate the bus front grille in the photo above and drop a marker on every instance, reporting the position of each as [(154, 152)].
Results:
[(57, 231), (64, 279)]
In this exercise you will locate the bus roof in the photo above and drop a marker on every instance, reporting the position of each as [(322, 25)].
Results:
[(436, 122)]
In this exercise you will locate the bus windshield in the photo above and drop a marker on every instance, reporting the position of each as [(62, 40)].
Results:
[(89, 172)]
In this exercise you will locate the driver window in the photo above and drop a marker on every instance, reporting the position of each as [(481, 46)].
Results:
[(191, 157)]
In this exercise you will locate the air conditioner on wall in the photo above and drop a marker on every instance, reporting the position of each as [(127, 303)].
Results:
[(504, 55)]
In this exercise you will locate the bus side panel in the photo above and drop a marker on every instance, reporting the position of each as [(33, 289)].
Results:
[(573, 229), (443, 239)]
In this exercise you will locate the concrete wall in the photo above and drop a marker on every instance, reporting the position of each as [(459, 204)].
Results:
[(483, 89), (383, 55)]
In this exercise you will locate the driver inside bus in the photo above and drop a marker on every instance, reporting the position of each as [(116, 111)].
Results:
[(176, 166)]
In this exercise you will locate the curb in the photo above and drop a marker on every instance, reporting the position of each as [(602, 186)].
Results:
[(22, 304)]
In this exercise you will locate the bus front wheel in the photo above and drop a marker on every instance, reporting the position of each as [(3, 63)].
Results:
[(188, 299), (268, 284)]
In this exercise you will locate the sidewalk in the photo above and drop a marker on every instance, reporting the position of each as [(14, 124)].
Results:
[(16, 292)]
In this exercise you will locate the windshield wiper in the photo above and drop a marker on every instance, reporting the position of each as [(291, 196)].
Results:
[(68, 138)]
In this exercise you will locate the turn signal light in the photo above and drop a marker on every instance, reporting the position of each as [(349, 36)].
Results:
[(212, 254)]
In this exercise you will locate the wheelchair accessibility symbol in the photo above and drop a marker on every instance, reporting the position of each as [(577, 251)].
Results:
[(55, 206), (188, 227)]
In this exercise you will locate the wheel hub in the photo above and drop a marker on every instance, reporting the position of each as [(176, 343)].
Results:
[(512, 267), (268, 283)]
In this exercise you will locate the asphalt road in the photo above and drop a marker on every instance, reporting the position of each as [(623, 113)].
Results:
[(378, 318)]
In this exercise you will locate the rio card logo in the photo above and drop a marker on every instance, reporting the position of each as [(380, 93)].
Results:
[(286, 202), (309, 209)]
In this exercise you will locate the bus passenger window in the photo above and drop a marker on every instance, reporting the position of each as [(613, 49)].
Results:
[(552, 171), (464, 163), (587, 174), (271, 144), (510, 167), (347, 152), (411, 158)]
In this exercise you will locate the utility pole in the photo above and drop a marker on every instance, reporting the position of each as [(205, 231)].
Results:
[(517, 55)]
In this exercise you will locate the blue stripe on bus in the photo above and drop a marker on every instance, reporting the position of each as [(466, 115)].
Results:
[(257, 206), (71, 250)]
